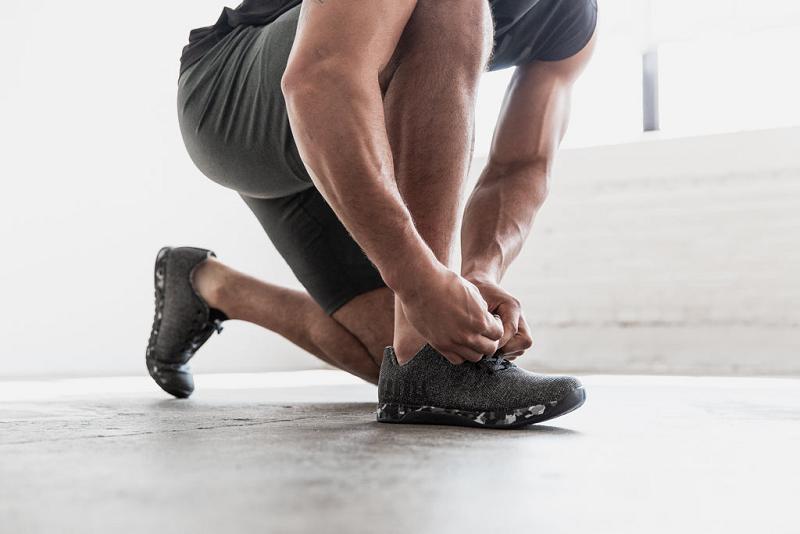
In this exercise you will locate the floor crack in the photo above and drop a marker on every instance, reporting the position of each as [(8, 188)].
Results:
[(153, 432)]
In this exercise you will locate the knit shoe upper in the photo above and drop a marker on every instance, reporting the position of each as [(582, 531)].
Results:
[(183, 321), (492, 392)]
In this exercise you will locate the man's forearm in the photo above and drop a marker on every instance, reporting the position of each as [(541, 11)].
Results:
[(339, 127), (499, 217), (335, 110)]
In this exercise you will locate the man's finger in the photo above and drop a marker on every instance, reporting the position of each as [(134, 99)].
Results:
[(509, 315), (469, 353), (520, 342), (451, 357), (525, 333), (494, 327), (474, 347)]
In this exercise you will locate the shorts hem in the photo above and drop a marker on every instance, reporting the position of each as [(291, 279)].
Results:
[(334, 305)]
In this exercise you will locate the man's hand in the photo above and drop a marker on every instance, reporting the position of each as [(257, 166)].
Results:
[(516, 337), (449, 312), (337, 116)]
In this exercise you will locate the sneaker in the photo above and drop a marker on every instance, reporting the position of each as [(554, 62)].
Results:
[(491, 393), (183, 321)]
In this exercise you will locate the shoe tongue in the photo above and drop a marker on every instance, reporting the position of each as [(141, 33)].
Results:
[(424, 354), (495, 360), (428, 352)]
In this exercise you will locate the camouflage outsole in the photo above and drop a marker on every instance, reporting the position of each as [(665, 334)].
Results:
[(513, 418)]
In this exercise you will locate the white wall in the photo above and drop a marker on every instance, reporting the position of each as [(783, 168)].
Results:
[(674, 256), (678, 256), (96, 180)]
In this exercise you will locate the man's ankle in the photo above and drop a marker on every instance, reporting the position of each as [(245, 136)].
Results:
[(406, 346), (212, 281)]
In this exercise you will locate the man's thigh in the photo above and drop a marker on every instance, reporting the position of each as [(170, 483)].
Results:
[(233, 116)]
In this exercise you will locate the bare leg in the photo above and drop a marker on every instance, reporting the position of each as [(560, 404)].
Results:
[(300, 320), (429, 106)]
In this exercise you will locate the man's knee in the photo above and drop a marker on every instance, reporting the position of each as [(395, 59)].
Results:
[(454, 35)]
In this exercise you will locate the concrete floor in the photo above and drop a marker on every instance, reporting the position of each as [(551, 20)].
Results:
[(644, 455)]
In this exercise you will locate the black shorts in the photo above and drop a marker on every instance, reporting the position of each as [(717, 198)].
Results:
[(235, 127)]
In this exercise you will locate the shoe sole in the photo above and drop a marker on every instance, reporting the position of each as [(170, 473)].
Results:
[(506, 419), (159, 283), (162, 376)]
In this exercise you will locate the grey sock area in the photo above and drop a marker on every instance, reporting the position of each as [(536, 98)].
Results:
[(430, 380)]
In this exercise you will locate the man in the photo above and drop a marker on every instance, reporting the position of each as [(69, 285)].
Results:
[(347, 128)]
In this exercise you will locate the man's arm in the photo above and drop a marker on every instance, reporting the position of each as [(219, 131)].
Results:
[(335, 106), (513, 186), (336, 112)]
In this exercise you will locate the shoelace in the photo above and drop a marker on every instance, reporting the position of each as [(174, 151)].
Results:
[(494, 363), (198, 338), (217, 324)]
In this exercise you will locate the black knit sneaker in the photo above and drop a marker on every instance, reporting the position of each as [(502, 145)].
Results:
[(492, 393), (183, 321)]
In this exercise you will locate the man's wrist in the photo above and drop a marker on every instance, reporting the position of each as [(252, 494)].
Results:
[(480, 274), (409, 271)]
